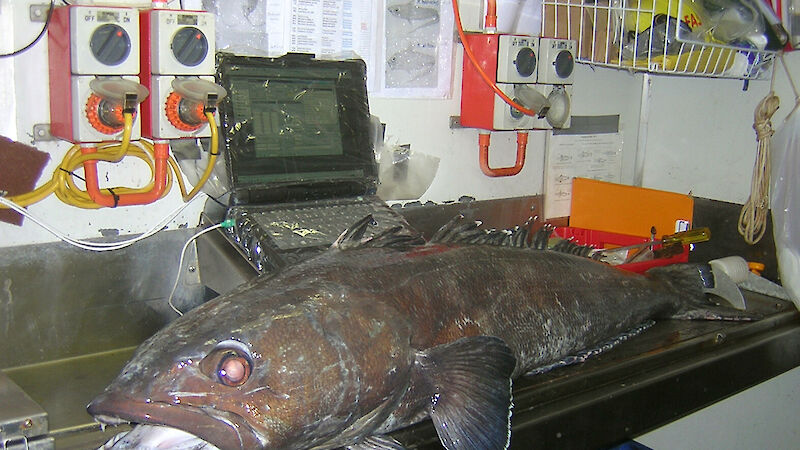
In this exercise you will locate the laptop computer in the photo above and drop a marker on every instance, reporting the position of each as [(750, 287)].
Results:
[(299, 155)]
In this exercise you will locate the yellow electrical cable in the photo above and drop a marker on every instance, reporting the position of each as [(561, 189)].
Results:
[(212, 159), (127, 130), (63, 186)]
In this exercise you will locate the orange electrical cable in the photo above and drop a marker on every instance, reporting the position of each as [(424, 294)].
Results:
[(474, 61)]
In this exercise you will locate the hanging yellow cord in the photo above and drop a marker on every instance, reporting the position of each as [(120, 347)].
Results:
[(212, 159)]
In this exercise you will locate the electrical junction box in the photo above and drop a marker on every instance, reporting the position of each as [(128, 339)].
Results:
[(516, 59), (110, 34), (178, 50), (508, 60), (161, 111), (556, 61), (507, 117), (90, 45), (177, 42)]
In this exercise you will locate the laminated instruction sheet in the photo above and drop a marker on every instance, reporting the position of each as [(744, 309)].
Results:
[(407, 44), (590, 148)]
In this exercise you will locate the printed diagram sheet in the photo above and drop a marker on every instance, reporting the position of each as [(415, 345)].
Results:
[(417, 48), (595, 156)]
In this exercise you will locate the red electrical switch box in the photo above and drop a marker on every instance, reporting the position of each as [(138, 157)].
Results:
[(178, 69), (509, 61), (94, 63)]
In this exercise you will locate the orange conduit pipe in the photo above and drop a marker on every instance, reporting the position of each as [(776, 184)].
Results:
[(522, 145), (491, 16), (471, 56), (111, 200)]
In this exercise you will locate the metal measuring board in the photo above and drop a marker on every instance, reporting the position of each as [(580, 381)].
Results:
[(23, 423)]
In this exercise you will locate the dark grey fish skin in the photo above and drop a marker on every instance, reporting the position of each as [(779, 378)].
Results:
[(336, 344)]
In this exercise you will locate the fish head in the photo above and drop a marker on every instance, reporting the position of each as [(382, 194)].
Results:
[(237, 378)]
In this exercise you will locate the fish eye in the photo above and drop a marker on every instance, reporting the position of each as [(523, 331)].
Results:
[(233, 369), (229, 364)]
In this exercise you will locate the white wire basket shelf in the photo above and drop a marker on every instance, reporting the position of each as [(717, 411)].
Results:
[(678, 37)]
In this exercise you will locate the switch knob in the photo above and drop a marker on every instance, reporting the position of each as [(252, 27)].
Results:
[(190, 46), (564, 64), (110, 44), (525, 62)]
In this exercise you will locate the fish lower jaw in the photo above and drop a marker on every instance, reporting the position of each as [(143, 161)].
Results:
[(221, 429), (156, 437)]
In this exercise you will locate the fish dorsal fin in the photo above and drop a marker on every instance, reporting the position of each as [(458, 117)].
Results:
[(460, 231), (397, 233), (377, 442), (469, 385)]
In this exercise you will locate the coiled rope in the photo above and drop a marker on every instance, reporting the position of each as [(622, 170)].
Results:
[(753, 216)]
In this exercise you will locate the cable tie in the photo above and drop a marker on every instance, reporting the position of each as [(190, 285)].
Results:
[(116, 197), (73, 174)]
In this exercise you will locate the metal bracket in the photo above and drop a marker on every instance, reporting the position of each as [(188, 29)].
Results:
[(455, 122), (41, 133), (38, 13)]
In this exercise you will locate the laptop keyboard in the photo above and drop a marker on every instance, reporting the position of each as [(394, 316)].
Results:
[(272, 236)]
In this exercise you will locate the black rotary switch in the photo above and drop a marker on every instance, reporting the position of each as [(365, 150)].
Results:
[(110, 44), (525, 62), (564, 64), (190, 46)]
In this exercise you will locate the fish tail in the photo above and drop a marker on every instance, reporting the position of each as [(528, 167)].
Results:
[(691, 284)]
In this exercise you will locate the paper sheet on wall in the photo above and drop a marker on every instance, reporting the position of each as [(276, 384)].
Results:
[(326, 28), (407, 44), (595, 156)]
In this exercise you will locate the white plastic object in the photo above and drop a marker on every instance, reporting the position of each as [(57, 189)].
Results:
[(785, 201), (118, 88), (734, 266), (530, 97), (559, 98), (558, 116), (198, 89)]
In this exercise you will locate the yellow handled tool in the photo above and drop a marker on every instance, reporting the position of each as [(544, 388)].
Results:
[(682, 237)]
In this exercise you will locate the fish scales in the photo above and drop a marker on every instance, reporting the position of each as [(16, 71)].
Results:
[(501, 291), (358, 342)]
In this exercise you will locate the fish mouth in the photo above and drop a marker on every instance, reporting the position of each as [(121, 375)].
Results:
[(227, 432)]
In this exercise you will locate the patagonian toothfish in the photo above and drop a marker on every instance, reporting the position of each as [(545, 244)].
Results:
[(377, 334)]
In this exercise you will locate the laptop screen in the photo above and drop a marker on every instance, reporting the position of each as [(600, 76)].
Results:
[(296, 128)]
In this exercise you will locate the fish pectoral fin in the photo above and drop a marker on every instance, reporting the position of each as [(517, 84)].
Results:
[(469, 385), (377, 442)]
